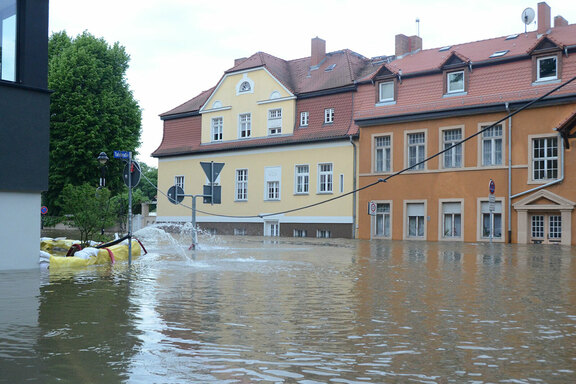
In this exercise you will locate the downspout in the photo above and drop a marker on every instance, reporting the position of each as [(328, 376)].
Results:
[(509, 173), (559, 180), (353, 187)]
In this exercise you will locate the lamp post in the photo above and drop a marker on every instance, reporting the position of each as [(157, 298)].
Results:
[(102, 158)]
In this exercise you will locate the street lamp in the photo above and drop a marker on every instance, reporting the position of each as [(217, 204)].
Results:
[(102, 158)]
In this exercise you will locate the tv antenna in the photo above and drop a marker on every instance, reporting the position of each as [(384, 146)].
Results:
[(527, 17)]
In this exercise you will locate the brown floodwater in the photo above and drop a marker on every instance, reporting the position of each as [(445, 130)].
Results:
[(287, 310)]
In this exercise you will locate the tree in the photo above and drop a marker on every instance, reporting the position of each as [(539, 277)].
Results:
[(89, 209), (92, 110), (149, 181)]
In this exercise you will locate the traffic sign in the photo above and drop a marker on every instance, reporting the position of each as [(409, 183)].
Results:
[(121, 154), (135, 173), (175, 194), (492, 186), (212, 170), (372, 207), (44, 210)]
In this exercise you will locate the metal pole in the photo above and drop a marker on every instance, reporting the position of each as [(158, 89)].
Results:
[(130, 208), (194, 233)]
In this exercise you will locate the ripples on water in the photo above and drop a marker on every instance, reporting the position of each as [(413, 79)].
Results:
[(244, 310)]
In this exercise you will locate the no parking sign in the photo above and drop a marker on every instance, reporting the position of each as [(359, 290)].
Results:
[(44, 210)]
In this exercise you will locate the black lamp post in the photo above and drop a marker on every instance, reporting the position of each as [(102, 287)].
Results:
[(102, 158)]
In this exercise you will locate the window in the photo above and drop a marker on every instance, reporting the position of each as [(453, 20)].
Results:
[(302, 176), (386, 91), (323, 233), (545, 158), (492, 146), (555, 228), (275, 121), (328, 115), (325, 178), (415, 215), (416, 149), (240, 232), (451, 220), (455, 82), (494, 223), (217, 129), (245, 87), (300, 233), (547, 68), (453, 157), (382, 220), (304, 119), (241, 184), (273, 188), (382, 152), (341, 183), (538, 226), (245, 121), (179, 181), (8, 40)]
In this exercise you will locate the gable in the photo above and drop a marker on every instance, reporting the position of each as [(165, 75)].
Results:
[(545, 44), (544, 200)]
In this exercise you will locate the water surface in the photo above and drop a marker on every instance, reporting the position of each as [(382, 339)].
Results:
[(247, 309)]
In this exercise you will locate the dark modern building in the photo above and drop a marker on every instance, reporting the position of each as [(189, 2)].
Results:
[(24, 129)]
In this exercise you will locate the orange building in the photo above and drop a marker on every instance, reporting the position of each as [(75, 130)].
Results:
[(501, 109)]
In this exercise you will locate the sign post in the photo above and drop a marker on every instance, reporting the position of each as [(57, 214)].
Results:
[(491, 204), (131, 179)]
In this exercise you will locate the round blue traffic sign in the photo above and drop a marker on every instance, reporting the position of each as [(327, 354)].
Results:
[(44, 210)]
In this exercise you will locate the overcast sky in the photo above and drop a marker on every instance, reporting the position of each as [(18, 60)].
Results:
[(179, 48)]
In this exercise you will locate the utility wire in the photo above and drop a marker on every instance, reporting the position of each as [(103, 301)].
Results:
[(382, 180)]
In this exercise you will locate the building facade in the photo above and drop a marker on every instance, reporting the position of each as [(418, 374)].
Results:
[(444, 126), (24, 129), (284, 130)]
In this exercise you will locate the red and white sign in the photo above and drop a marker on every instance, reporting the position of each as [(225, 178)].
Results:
[(372, 208)]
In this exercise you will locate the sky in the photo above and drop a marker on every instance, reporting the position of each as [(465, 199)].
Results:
[(179, 48)]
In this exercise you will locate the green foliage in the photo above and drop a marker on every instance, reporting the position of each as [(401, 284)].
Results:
[(92, 110), (89, 209), (119, 206), (148, 188)]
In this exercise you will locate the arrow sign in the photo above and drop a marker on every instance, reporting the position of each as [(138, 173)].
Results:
[(212, 170)]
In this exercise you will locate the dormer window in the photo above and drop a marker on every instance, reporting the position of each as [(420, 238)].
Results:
[(245, 87), (386, 91), (547, 68), (455, 82)]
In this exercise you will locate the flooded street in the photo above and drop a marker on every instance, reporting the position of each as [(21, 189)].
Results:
[(246, 310)]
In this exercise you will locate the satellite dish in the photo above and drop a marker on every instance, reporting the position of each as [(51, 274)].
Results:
[(528, 16)]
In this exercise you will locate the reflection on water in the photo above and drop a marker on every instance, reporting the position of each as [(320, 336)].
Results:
[(243, 310)]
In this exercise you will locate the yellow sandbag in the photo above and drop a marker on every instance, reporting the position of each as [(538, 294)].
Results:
[(119, 254)]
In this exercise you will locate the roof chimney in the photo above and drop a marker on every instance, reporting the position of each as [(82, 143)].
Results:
[(543, 18), (559, 21), (318, 51), (405, 44), (238, 61)]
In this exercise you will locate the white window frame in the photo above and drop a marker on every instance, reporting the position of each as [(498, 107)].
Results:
[(423, 223), (328, 115), (443, 205), (301, 179), (304, 119), (461, 88), (483, 203), (382, 96), (217, 128), (532, 160), (325, 178), (241, 188), (383, 152), (323, 233), (454, 155), (386, 218), (273, 190), (300, 233), (420, 150), (272, 183), (547, 78), (179, 180), (275, 121), (244, 125), (493, 140)]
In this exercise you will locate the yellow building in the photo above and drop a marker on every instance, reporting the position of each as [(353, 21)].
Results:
[(285, 133)]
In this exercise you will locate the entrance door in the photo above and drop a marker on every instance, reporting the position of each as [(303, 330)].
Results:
[(546, 228), (272, 228)]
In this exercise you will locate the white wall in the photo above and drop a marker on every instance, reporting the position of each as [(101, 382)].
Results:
[(19, 230)]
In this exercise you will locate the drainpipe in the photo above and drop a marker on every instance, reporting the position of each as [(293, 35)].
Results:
[(559, 180), (353, 188), (509, 174)]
